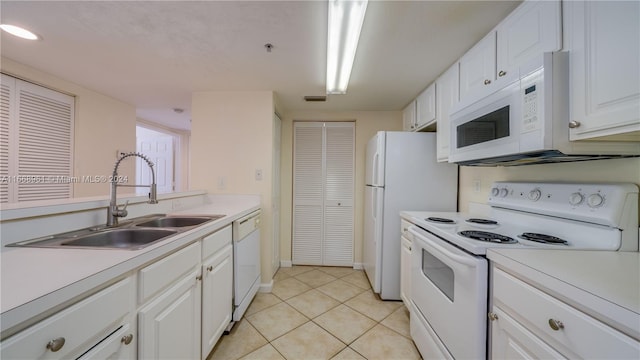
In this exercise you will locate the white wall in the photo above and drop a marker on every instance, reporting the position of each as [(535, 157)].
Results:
[(103, 125), (231, 137), (367, 124), (618, 170)]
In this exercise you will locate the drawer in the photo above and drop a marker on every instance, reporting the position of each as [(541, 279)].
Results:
[(580, 335), (404, 225), (81, 325), (164, 272), (216, 241)]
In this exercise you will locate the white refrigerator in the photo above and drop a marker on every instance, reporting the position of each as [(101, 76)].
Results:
[(401, 175)]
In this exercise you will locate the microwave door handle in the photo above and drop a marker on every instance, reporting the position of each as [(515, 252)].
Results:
[(444, 252)]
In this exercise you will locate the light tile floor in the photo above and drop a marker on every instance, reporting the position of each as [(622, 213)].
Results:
[(319, 313)]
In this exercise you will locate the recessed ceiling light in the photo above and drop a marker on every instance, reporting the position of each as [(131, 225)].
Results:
[(19, 32)]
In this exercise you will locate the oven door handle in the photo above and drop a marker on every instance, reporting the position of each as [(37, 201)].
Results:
[(442, 251)]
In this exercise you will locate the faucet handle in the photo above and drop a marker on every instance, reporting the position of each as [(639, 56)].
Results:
[(122, 212)]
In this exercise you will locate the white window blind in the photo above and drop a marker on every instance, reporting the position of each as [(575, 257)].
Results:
[(36, 142)]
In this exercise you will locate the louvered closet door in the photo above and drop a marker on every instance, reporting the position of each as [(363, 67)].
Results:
[(338, 204), (7, 111), (45, 142), (323, 194)]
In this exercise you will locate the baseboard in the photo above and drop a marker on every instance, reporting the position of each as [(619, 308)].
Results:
[(266, 288), (285, 263), (358, 266)]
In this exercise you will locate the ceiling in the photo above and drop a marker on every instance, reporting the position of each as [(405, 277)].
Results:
[(155, 54)]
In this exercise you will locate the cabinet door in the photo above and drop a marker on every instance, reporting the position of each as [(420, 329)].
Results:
[(510, 340), (426, 106), (604, 42), (531, 29), (119, 345), (409, 117), (446, 96), (405, 271), (478, 68), (169, 326), (217, 296)]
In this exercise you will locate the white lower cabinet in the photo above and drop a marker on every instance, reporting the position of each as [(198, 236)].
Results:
[(81, 330), (169, 323), (181, 307), (526, 322), (217, 287), (405, 265), (169, 326)]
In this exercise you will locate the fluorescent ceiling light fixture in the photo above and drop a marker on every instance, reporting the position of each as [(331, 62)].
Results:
[(345, 22), (19, 32)]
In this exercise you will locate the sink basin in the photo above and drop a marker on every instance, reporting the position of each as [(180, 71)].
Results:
[(121, 238), (178, 221)]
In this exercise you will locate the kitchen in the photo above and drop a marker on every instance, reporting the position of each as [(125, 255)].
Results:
[(214, 136)]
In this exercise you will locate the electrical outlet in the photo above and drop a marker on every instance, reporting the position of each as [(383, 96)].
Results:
[(258, 174), (477, 186)]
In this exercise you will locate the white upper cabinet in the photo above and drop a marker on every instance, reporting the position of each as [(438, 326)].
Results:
[(603, 38), (531, 29), (446, 96), (409, 117), (478, 68), (426, 107)]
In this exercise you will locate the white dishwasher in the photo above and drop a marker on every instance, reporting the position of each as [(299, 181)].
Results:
[(246, 262)]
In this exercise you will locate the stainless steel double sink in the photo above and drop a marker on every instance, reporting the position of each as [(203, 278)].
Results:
[(133, 234)]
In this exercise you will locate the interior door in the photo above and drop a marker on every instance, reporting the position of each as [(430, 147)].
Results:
[(323, 219), (158, 147)]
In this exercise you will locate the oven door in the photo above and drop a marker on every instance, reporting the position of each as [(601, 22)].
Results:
[(449, 289), (487, 128)]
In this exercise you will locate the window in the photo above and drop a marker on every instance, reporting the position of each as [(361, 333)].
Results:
[(36, 142)]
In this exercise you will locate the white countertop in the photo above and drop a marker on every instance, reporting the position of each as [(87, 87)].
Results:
[(603, 284), (35, 280)]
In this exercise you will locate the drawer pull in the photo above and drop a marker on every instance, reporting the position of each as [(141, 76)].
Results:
[(56, 344), (556, 324), (493, 316), (210, 268), (127, 339)]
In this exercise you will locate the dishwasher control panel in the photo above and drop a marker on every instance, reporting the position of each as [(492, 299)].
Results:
[(246, 225)]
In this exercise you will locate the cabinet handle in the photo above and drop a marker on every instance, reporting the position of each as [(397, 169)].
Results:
[(502, 73), (199, 277), (127, 339), (210, 268), (574, 124), (487, 82), (56, 344), (556, 324), (493, 316)]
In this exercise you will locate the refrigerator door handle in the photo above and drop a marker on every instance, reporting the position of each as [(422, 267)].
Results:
[(374, 205), (376, 162)]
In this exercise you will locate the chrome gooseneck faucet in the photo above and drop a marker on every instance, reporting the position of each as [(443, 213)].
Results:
[(114, 211)]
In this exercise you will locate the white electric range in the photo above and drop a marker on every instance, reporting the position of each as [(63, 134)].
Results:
[(449, 273)]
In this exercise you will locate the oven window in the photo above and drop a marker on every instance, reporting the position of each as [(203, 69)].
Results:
[(492, 126), (439, 273)]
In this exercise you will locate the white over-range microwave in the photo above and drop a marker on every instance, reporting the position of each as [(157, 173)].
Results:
[(526, 121)]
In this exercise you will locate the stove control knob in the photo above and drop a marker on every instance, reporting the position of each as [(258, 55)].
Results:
[(504, 192), (595, 200), (535, 194), (495, 191), (576, 198)]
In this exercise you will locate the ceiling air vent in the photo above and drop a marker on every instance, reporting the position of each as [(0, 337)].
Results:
[(315, 98)]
